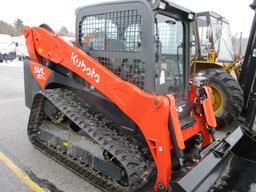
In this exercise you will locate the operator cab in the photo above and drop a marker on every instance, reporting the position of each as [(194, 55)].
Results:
[(143, 42), (214, 34)]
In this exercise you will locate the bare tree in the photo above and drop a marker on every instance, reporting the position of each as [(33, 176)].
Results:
[(6, 28)]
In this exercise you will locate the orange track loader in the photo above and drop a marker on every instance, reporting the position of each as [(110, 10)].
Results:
[(118, 106)]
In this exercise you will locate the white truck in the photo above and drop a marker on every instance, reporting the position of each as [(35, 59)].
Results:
[(7, 48), (21, 48)]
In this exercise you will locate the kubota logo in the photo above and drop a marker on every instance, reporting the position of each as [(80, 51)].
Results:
[(90, 72), (40, 73)]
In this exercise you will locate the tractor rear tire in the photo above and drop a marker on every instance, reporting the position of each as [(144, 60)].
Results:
[(227, 94)]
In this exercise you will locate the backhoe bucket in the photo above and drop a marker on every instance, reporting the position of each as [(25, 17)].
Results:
[(228, 165)]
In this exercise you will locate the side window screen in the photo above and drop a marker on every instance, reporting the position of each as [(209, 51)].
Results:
[(114, 31), (170, 35), (115, 39), (95, 31)]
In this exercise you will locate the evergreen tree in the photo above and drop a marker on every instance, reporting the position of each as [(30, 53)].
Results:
[(18, 25)]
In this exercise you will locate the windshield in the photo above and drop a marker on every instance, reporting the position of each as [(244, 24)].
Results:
[(169, 55), (222, 39)]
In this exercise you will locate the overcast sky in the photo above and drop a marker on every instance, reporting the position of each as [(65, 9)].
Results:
[(58, 13)]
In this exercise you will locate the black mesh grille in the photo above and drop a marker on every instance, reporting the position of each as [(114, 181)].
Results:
[(115, 40), (132, 70), (114, 31)]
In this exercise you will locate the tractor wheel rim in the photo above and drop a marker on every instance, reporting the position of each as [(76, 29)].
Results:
[(217, 99)]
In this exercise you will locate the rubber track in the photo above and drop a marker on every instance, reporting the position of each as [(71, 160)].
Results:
[(119, 145)]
